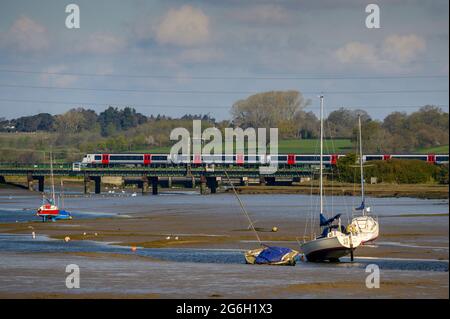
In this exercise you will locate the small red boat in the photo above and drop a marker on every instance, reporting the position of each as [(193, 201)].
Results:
[(47, 210)]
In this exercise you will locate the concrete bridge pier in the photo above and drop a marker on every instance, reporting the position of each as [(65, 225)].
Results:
[(144, 185), (87, 184), (97, 182), (192, 182), (203, 188), (30, 182), (154, 181), (262, 181), (41, 183), (212, 184)]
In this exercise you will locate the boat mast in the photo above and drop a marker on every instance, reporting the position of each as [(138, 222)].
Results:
[(361, 163), (321, 154), (52, 178)]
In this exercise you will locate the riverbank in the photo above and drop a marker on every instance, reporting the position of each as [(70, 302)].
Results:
[(425, 191)]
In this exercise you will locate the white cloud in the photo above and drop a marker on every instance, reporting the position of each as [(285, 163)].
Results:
[(263, 14), (403, 48), (64, 80), (25, 35), (102, 43), (356, 51), (185, 26), (394, 51)]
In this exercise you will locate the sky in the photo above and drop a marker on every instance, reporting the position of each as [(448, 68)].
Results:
[(199, 57)]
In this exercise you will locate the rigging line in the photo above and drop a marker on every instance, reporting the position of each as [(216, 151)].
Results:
[(243, 77), (243, 208), (211, 92)]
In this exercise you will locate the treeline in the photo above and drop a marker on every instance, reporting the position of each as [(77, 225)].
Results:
[(392, 171), (125, 129), (396, 133)]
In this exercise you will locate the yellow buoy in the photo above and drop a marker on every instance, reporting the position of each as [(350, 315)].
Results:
[(274, 229), (134, 248), (67, 239)]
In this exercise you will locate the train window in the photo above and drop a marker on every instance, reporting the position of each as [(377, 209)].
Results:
[(98, 157), (374, 158), (280, 158), (125, 158), (442, 158), (420, 158), (159, 158)]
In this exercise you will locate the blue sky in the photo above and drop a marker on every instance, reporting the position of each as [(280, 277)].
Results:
[(177, 57)]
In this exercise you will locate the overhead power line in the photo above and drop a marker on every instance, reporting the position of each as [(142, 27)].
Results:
[(172, 91), (210, 107), (240, 77)]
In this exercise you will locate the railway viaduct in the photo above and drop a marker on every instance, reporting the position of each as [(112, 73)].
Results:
[(152, 178)]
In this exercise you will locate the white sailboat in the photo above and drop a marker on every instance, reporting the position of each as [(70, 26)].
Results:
[(366, 225), (335, 241)]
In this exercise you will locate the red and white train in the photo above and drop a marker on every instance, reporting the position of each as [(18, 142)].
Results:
[(239, 159)]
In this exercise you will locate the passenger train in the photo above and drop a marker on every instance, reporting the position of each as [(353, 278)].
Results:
[(238, 159)]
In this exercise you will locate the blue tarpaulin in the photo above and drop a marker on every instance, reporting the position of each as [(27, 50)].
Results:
[(272, 254)]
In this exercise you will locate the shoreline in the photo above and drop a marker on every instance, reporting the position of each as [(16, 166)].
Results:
[(382, 190)]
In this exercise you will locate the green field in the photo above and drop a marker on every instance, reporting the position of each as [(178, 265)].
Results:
[(290, 146), (434, 150), (341, 146)]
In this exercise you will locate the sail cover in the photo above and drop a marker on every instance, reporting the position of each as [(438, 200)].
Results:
[(325, 222), (361, 207), (272, 254)]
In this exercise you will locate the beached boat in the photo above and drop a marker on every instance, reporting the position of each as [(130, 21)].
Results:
[(367, 226), (49, 210), (335, 240), (272, 256), (265, 255)]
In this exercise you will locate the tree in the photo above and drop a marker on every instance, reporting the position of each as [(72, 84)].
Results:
[(341, 123), (268, 109)]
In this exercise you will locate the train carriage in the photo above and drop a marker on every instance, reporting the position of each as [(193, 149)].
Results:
[(240, 159)]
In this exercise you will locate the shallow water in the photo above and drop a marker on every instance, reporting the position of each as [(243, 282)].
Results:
[(42, 244), (286, 207)]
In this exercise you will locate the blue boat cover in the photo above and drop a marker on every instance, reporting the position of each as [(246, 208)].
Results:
[(363, 205), (272, 254), (63, 215), (325, 222)]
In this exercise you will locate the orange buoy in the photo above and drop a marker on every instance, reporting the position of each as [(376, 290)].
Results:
[(133, 249)]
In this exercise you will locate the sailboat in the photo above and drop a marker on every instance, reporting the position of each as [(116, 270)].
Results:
[(366, 225), (49, 210), (265, 255), (335, 240)]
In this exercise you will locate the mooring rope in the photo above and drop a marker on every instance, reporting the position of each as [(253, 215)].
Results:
[(243, 208)]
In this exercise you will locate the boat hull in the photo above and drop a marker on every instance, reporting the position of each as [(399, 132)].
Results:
[(367, 227), (47, 210), (330, 248), (287, 260)]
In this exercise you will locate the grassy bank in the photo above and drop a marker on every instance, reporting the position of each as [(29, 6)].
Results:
[(426, 191)]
